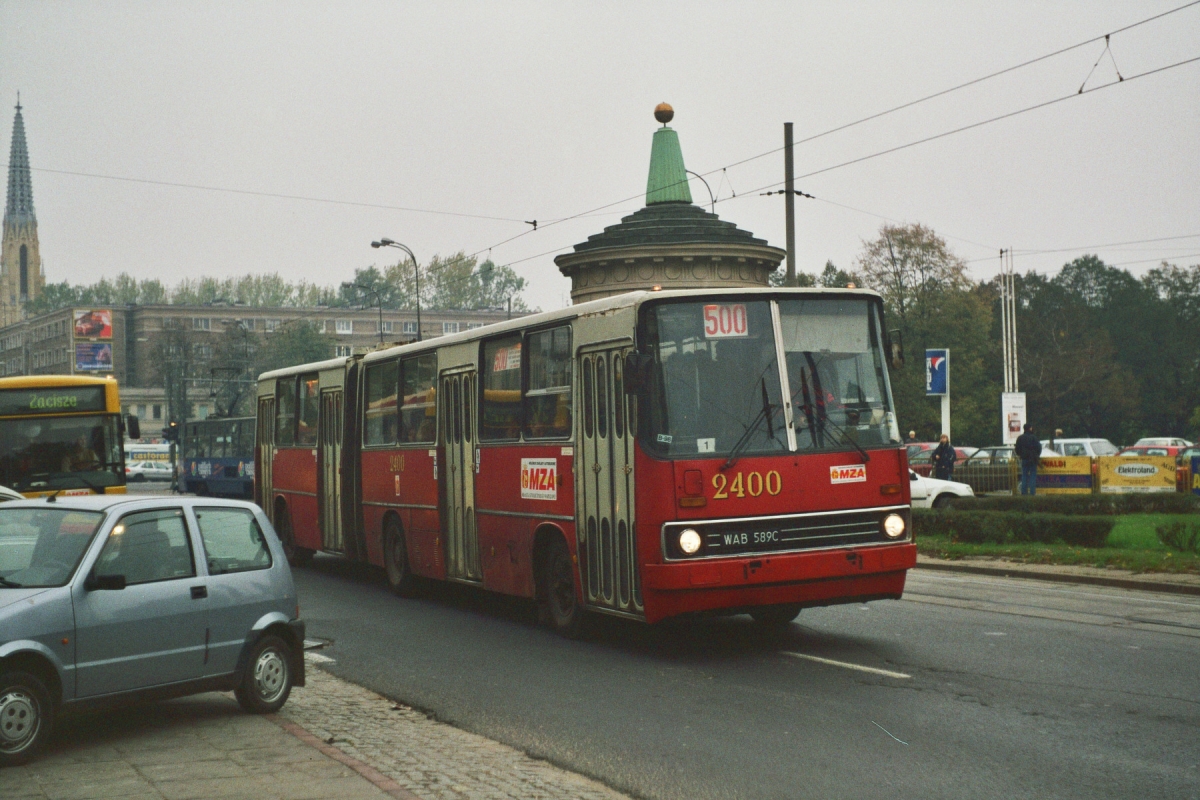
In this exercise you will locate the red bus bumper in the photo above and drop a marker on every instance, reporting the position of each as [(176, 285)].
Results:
[(828, 577)]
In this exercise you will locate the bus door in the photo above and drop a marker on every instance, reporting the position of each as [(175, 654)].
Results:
[(458, 493), (264, 437), (606, 530), (329, 438)]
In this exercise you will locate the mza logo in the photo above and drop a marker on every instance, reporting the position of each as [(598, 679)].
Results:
[(539, 478), (852, 474)]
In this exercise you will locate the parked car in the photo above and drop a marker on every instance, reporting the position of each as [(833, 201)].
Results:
[(7, 494), (148, 471), (1151, 450), (922, 462), (935, 493), (157, 598), (1163, 441), (1081, 447), (990, 469)]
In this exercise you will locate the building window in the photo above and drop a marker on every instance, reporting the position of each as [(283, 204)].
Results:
[(472, 326), (410, 327), (201, 324), (342, 351), (202, 350), (248, 324), (270, 325), (449, 327), (157, 411), (344, 326), (387, 327)]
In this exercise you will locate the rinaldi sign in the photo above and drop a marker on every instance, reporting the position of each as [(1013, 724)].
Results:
[(856, 473)]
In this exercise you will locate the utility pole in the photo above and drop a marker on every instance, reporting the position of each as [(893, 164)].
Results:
[(789, 176)]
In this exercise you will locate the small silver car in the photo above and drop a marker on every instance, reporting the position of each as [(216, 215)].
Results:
[(109, 599)]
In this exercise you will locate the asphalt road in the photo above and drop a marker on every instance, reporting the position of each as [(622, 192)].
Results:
[(998, 687)]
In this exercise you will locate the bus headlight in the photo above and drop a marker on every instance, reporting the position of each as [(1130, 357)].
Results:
[(893, 526), (689, 541)]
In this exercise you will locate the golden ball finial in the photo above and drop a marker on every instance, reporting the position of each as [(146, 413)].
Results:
[(664, 113)]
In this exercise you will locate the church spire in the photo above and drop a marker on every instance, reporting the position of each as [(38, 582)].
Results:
[(19, 209)]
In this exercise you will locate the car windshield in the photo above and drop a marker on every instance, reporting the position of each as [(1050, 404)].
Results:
[(42, 546), (718, 382), (48, 453)]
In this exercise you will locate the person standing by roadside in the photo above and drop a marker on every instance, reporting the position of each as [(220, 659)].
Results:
[(912, 437), (1029, 450), (943, 459)]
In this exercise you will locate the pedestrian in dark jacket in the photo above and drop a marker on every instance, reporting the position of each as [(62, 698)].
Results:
[(943, 459), (1029, 450)]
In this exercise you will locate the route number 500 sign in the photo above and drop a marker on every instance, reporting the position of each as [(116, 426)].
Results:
[(725, 322)]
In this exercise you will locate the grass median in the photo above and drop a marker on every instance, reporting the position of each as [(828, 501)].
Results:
[(1132, 544)]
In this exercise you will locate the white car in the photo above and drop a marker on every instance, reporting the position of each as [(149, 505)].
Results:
[(8, 494), (1081, 447), (148, 471), (935, 493)]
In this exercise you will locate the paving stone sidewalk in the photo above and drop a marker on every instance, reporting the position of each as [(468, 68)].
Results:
[(333, 739)]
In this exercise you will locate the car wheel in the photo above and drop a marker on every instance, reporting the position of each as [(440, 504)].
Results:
[(943, 501), (776, 616), (267, 681), (26, 717), (560, 605), (395, 561)]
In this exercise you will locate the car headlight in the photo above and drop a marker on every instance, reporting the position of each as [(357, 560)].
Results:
[(893, 526), (689, 541)]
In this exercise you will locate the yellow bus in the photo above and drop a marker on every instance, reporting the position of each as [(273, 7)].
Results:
[(62, 434)]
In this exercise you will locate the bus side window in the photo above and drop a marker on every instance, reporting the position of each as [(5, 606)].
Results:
[(500, 411), (310, 410), (548, 396), (285, 412), (381, 412), (418, 410)]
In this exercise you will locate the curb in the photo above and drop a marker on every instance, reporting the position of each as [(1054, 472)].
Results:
[(1060, 577)]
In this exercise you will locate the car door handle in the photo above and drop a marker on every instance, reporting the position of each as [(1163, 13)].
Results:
[(199, 592)]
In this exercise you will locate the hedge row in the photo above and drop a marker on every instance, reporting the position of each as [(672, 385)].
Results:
[(999, 527), (1085, 504)]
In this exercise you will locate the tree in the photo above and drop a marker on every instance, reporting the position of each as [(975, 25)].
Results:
[(297, 342), (451, 283), (232, 375), (909, 263)]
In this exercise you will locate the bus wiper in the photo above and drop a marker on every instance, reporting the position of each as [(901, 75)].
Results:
[(845, 437), (743, 441), (7, 584)]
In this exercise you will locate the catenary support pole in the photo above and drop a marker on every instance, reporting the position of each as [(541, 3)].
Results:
[(789, 175)]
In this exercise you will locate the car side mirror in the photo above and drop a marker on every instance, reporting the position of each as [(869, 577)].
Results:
[(133, 427), (96, 582), (895, 345), (637, 371)]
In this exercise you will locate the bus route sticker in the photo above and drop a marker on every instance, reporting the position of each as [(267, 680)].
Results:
[(725, 321), (854, 473), (539, 478)]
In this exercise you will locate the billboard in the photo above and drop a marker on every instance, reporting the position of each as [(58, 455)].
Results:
[(1122, 474), (1065, 475), (95, 323), (1012, 415), (937, 372), (90, 356), (1196, 475)]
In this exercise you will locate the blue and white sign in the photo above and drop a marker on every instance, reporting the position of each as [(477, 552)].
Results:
[(937, 372)]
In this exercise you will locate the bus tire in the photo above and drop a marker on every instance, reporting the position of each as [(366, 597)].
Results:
[(296, 556), (400, 578), (560, 605), (26, 717), (776, 616)]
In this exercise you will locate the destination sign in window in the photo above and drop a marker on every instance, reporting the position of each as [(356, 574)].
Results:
[(56, 400)]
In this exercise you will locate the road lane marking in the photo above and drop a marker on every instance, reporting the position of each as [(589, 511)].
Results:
[(317, 658), (889, 733), (847, 665)]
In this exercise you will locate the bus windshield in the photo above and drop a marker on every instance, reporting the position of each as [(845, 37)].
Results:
[(48, 453), (719, 384)]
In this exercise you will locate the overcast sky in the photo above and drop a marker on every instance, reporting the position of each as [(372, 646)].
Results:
[(522, 111)]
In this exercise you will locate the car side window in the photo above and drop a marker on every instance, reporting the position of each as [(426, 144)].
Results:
[(233, 540), (148, 546)]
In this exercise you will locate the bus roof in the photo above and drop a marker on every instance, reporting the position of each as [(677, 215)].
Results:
[(34, 381), (600, 306)]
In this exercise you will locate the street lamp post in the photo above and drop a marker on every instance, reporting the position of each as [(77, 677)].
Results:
[(416, 274), (378, 301)]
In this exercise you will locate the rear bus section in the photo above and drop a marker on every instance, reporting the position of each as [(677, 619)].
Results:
[(647, 455)]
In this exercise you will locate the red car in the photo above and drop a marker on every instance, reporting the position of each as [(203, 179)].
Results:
[(921, 462)]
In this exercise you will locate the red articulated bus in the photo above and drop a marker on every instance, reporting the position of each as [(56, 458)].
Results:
[(649, 455)]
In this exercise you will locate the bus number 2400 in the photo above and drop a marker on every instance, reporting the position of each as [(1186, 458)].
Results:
[(753, 483)]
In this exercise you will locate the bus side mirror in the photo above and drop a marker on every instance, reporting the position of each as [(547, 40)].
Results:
[(132, 427), (895, 343), (637, 371)]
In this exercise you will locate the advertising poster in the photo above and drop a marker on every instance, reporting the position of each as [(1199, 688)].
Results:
[(1121, 474), (1012, 414), (1065, 475), (937, 372), (93, 356), (93, 323), (1196, 475)]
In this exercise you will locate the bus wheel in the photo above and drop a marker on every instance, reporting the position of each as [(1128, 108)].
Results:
[(562, 608), (776, 615), (296, 556), (395, 561)]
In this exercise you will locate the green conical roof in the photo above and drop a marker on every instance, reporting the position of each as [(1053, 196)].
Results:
[(668, 179)]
